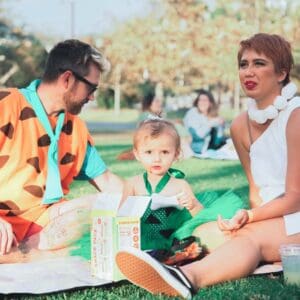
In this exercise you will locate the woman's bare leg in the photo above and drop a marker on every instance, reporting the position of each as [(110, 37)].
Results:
[(211, 236), (238, 257)]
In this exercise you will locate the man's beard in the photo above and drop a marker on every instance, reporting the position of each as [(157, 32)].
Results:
[(73, 108)]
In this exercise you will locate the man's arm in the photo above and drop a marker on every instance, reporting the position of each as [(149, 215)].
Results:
[(94, 169), (108, 182)]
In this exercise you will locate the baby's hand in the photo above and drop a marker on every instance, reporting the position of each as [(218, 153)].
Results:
[(186, 200)]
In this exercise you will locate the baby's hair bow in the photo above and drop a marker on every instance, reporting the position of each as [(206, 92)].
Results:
[(152, 117)]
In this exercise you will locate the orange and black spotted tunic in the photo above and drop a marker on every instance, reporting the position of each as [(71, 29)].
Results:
[(24, 147)]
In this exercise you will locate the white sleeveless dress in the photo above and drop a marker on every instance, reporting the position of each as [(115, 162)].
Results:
[(268, 156)]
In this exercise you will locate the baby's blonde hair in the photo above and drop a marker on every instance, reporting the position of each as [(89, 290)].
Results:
[(153, 128)]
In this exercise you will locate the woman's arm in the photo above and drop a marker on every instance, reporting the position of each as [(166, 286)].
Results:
[(240, 137), (290, 201)]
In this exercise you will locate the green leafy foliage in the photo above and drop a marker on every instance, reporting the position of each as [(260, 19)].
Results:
[(23, 52)]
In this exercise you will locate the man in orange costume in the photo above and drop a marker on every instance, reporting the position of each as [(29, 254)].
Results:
[(44, 145)]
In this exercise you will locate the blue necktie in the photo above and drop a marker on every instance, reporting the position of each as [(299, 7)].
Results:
[(54, 190)]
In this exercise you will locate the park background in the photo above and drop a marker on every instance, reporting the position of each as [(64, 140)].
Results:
[(171, 47)]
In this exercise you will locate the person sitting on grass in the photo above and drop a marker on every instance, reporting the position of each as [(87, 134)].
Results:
[(151, 107), (156, 145), (267, 141), (203, 123), (44, 146)]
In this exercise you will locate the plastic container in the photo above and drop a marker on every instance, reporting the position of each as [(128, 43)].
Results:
[(290, 256)]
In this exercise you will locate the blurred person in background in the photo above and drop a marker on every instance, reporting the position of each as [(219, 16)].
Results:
[(152, 108), (203, 123)]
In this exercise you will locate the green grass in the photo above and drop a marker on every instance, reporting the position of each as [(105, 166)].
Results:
[(203, 175)]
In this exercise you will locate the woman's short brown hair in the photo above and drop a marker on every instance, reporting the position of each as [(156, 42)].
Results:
[(274, 47)]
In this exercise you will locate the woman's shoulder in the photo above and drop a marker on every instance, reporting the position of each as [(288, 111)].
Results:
[(293, 107), (293, 120), (239, 122), (239, 129)]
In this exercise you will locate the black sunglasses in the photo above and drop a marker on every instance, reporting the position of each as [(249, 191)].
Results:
[(92, 87)]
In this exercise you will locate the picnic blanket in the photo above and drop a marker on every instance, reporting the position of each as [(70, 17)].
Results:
[(48, 275), (63, 273), (57, 270), (226, 152)]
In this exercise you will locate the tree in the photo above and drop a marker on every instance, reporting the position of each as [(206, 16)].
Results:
[(22, 57), (188, 44)]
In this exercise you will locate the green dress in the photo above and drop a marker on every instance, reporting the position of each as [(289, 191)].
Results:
[(160, 227), (157, 226), (225, 205)]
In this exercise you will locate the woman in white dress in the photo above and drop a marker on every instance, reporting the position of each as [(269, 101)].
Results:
[(267, 141)]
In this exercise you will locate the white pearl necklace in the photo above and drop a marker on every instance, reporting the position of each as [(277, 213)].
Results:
[(261, 116)]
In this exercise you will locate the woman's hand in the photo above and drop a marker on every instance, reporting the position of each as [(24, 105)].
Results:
[(7, 237), (236, 222)]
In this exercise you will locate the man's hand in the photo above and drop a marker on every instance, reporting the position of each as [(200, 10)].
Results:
[(7, 237)]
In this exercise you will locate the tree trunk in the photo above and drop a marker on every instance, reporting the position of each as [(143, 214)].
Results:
[(8, 74), (117, 90)]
